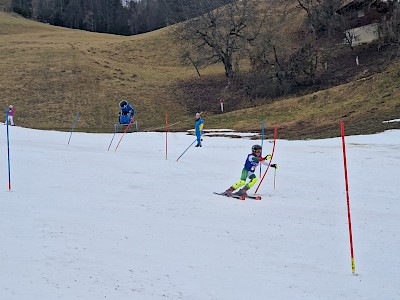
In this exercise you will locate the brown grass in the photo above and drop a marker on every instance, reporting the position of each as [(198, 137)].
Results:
[(362, 104), (50, 73)]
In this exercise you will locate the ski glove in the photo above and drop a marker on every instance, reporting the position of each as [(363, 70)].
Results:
[(268, 157), (274, 166)]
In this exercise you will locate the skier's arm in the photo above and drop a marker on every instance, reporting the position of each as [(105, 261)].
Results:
[(262, 160)]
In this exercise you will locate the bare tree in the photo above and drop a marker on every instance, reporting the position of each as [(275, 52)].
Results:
[(321, 14), (283, 57), (220, 34), (390, 29)]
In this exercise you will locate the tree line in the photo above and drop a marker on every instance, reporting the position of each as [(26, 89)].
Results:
[(124, 17), (261, 55)]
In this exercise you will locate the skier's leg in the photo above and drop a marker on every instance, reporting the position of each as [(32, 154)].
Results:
[(198, 136), (238, 184), (253, 180)]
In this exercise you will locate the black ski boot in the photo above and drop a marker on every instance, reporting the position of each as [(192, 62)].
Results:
[(242, 192), (229, 192)]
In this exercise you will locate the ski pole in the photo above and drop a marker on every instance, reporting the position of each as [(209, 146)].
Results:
[(186, 150), (73, 126), (115, 130), (127, 127), (275, 180), (8, 153)]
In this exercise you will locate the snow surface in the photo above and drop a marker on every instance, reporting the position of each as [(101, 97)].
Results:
[(392, 121), (82, 222)]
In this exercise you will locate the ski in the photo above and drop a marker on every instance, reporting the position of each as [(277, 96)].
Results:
[(240, 197), (231, 196), (253, 197)]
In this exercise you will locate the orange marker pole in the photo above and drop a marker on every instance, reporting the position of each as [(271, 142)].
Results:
[(127, 128), (353, 268)]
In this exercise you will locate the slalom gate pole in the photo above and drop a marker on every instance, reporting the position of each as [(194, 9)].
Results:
[(186, 149), (353, 268), (166, 135), (8, 153), (115, 131), (73, 126), (262, 140), (272, 156), (127, 128)]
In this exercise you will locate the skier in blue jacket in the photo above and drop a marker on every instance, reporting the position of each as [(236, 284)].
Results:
[(198, 126), (252, 161)]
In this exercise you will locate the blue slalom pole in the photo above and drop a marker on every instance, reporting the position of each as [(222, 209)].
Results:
[(73, 125), (8, 152), (186, 149), (262, 139)]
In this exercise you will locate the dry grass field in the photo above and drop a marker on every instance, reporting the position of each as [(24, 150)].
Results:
[(49, 73)]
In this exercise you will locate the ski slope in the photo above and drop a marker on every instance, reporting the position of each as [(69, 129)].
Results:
[(82, 222)]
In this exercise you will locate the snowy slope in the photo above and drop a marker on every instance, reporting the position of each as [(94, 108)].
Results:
[(82, 222)]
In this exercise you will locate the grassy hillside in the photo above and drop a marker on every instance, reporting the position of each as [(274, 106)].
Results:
[(362, 104), (49, 73)]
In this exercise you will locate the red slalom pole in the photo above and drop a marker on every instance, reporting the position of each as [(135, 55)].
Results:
[(353, 268), (127, 128), (272, 156), (166, 135)]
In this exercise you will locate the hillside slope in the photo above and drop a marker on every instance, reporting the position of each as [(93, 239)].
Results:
[(50, 73), (364, 104)]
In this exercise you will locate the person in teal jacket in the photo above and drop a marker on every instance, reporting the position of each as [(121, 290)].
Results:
[(198, 126)]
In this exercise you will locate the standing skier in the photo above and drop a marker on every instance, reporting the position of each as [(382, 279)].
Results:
[(252, 161), (11, 110), (198, 126)]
